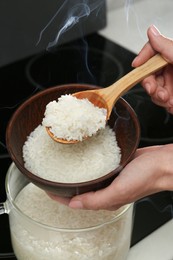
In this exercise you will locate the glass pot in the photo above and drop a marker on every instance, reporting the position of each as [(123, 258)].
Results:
[(106, 239)]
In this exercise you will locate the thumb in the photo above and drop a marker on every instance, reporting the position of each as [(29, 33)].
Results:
[(160, 43), (101, 199)]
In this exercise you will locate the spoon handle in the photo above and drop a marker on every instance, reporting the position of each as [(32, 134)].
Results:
[(113, 92)]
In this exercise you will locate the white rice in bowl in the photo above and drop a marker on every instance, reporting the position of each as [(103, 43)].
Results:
[(80, 162)]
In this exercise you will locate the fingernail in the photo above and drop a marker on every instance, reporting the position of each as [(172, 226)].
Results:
[(161, 95), (147, 88), (155, 31), (76, 204), (133, 62)]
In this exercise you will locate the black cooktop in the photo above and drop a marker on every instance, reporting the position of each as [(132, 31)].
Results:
[(94, 60)]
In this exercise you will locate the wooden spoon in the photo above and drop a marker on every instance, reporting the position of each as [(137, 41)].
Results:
[(107, 97)]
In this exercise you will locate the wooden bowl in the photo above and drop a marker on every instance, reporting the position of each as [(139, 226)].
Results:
[(29, 115)]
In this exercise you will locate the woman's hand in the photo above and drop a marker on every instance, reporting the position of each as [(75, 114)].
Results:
[(151, 169), (149, 172), (159, 85)]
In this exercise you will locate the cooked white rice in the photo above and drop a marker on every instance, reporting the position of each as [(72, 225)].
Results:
[(35, 203), (84, 161), (32, 242), (71, 118)]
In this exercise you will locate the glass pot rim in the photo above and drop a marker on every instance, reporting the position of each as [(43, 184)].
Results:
[(12, 205)]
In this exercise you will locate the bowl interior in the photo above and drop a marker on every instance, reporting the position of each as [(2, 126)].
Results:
[(29, 115)]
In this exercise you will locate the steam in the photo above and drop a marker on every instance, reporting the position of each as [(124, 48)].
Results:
[(130, 11), (127, 9), (72, 12), (140, 17)]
